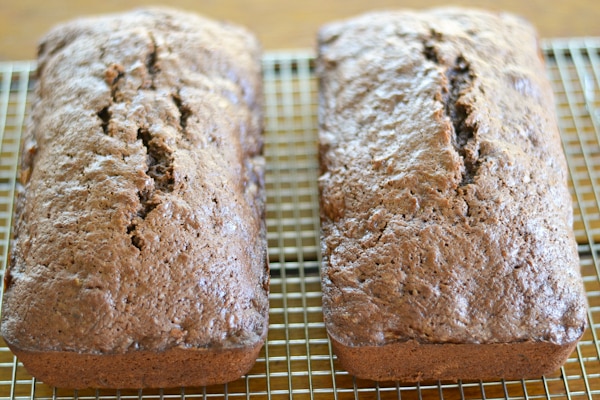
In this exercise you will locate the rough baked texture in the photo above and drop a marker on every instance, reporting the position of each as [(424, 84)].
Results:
[(446, 220), (139, 254)]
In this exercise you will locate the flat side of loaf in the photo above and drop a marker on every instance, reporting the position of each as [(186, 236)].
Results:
[(141, 369), (140, 223), (412, 361), (446, 216)]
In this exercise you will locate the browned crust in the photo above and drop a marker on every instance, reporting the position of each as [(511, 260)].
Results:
[(141, 369), (416, 235), (412, 361), (191, 308)]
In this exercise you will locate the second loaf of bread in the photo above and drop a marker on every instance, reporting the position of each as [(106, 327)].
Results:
[(448, 250), (139, 254)]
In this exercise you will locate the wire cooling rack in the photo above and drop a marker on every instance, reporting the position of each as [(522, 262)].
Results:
[(296, 362)]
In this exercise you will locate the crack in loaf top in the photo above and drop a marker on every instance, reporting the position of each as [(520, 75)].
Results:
[(143, 196), (446, 215)]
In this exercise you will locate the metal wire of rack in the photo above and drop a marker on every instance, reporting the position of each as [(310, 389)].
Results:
[(297, 361)]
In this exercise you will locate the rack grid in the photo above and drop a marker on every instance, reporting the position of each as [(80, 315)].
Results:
[(297, 361)]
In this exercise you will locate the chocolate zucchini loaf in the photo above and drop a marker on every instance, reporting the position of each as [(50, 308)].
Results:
[(139, 256), (447, 242)]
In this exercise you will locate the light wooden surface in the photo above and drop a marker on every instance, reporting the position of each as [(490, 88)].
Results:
[(280, 24)]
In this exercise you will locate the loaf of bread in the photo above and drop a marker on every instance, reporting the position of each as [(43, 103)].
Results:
[(448, 251), (139, 255)]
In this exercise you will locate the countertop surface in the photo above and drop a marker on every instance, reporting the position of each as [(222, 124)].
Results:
[(279, 24)]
